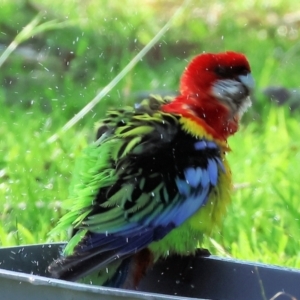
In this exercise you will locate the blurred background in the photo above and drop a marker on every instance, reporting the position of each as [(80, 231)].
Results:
[(72, 49)]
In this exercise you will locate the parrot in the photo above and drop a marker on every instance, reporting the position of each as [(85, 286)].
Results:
[(156, 180)]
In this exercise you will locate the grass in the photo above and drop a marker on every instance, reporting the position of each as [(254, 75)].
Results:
[(263, 221), (43, 90)]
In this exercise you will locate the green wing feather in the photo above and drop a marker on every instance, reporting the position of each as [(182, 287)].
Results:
[(126, 131)]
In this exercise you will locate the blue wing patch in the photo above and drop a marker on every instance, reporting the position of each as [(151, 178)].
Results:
[(198, 181)]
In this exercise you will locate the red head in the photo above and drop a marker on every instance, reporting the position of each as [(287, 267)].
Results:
[(215, 88)]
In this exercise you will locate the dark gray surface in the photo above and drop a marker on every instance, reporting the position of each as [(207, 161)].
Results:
[(198, 277), (22, 286)]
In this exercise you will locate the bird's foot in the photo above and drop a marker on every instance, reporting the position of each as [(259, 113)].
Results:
[(202, 252)]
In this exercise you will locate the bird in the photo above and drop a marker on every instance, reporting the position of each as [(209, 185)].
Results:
[(156, 178)]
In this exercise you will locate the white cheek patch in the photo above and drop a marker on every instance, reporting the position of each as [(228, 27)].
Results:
[(225, 88), (244, 106), (233, 94)]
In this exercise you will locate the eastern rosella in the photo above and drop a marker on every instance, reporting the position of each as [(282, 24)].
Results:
[(156, 179)]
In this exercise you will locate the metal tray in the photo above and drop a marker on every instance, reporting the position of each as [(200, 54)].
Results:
[(23, 275)]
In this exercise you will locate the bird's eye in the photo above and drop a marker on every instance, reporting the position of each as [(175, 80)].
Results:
[(221, 71), (231, 72), (240, 70)]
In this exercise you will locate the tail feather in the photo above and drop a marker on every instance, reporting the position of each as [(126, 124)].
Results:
[(96, 252), (76, 266)]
